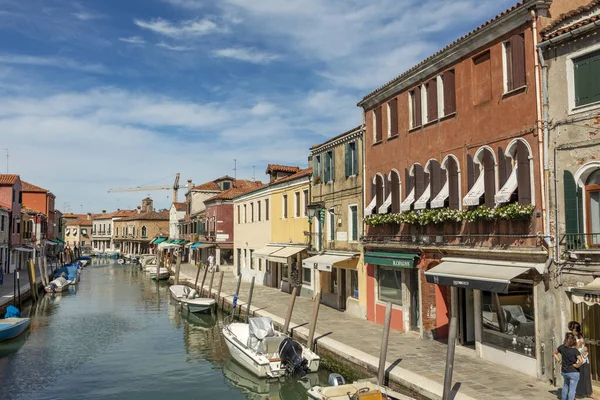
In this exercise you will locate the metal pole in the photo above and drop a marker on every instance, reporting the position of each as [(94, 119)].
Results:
[(19, 288), (450, 359), (250, 297), (203, 279), (313, 322), (237, 291), (288, 316), (212, 277), (220, 285), (384, 343), (14, 287)]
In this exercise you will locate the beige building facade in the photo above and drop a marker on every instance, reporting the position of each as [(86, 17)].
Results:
[(134, 234)]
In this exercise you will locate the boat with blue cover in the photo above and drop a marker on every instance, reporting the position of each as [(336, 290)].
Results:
[(13, 324), (71, 272)]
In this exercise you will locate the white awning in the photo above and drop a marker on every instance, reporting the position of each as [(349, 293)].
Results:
[(23, 249), (503, 196), (386, 204), (266, 251), (472, 198), (281, 256), (422, 202), (441, 197), (405, 206), (589, 294), (488, 275), (324, 262), (166, 246), (371, 207), (74, 231)]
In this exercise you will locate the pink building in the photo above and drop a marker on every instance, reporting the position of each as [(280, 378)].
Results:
[(11, 198)]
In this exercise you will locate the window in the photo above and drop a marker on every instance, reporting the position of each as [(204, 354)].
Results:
[(284, 205), (329, 168), (586, 70), (334, 287), (482, 78), (415, 107), (245, 214), (226, 185), (297, 204), (481, 178), (117, 230), (317, 169), (260, 264), (251, 259), (266, 209), (508, 319), (2, 224), (432, 100), (379, 192), (377, 125), (392, 118), (395, 190), (354, 283), (251, 212), (144, 232), (306, 276), (389, 282), (331, 224), (592, 191), (239, 214), (353, 222), (351, 159), (514, 173), (306, 201), (82, 243), (259, 211), (449, 92), (514, 63)]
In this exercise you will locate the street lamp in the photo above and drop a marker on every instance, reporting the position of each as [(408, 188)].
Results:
[(314, 211)]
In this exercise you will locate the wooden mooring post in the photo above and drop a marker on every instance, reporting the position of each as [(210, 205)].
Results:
[(203, 279), (288, 316), (220, 286), (384, 343), (250, 297), (212, 277), (313, 323), (450, 359), (197, 276), (178, 267)]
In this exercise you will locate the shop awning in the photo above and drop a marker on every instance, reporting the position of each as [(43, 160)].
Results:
[(266, 251), (325, 262), (158, 240), (589, 294), (204, 246), (403, 260), (488, 275), (166, 245), (281, 256), (23, 249)]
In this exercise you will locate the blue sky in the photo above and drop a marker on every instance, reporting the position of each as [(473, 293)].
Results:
[(112, 93)]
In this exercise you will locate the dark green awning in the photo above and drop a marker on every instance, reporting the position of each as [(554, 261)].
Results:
[(158, 240), (402, 260)]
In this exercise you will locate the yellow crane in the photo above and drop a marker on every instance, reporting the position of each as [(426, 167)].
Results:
[(175, 188)]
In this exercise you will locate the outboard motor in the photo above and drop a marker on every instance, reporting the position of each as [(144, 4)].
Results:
[(290, 353), (53, 287), (336, 380)]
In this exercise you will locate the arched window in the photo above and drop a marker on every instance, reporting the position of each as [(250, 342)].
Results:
[(592, 194), (144, 232), (449, 193), (415, 186), (379, 191), (482, 178), (518, 170), (395, 190), (433, 181)]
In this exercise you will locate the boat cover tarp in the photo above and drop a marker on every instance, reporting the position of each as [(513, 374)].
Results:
[(259, 328), (60, 282), (12, 312), (70, 271)]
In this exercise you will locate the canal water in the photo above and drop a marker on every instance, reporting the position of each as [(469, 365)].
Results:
[(119, 336)]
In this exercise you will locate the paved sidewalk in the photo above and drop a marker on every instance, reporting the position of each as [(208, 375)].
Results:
[(417, 363), (6, 290)]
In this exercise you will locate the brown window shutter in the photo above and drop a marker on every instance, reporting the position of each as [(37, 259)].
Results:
[(453, 199), (523, 174), (419, 181), (393, 117), (409, 182), (373, 189), (517, 51), (449, 92), (378, 124), (416, 106), (489, 179), (437, 178), (432, 104), (395, 182), (379, 192)]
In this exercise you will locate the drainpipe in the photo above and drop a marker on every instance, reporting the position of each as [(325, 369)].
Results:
[(542, 139)]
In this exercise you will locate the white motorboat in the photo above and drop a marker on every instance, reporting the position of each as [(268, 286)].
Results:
[(265, 352), (338, 389), (121, 261), (189, 298), (162, 275), (58, 285)]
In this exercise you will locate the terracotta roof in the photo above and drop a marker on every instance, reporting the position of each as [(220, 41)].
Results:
[(5, 208), (207, 186), (336, 137), (148, 216), (115, 214), (83, 222), (31, 211), (29, 187), (180, 206), (564, 17), (281, 168), (8, 179), (454, 43), (244, 187), (299, 174)]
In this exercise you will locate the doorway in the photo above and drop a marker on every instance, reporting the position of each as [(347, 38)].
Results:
[(589, 318), (466, 317), (415, 306)]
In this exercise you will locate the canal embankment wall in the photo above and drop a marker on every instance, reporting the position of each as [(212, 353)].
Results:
[(7, 290)]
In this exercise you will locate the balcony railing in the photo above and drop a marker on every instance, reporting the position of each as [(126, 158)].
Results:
[(466, 240), (581, 241)]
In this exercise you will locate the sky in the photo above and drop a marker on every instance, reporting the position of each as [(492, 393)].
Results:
[(103, 94)]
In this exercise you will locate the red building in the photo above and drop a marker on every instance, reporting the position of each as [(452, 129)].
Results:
[(41, 200), (11, 198), (455, 204)]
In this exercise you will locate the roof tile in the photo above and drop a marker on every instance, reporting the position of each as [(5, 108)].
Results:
[(281, 168), (148, 216), (30, 187), (547, 31), (8, 179)]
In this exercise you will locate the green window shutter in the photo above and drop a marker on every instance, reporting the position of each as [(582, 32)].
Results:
[(573, 204), (587, 84), (348, 159), (355, 160), (354, 223), (332, 164), (315, 167), (326, 168)]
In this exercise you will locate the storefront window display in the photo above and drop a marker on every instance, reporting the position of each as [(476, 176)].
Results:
[(389, 281), (226, 256), (354, 284), (508, 319), (306, 276)]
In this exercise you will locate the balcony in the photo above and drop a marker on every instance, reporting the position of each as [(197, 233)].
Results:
[(581, 242)]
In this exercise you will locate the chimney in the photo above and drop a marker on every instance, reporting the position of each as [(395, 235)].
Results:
[(103, 211), (190, 185), (147, 204), (139, 209)]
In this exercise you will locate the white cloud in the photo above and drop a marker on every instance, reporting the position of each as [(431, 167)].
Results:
[(87, 16), (57, 62), (189, 4), (263, 109), (133, 40), (187, 28), (244, 54), (173, 47)]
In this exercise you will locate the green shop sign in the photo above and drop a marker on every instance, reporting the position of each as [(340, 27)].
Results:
[(402, 260)]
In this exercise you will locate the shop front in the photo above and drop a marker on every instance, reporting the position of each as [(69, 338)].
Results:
[(283, 267), (393, 277), (585, 310), (494, 302)]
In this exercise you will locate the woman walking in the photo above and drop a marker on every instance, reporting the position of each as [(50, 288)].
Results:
[(571, 360), (584, 386)]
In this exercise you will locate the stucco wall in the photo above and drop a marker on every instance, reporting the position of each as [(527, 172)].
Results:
[(290, 229)]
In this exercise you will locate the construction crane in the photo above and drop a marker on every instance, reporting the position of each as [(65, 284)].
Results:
[(175, 188)]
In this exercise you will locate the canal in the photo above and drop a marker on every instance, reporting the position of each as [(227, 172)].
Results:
[(119, 336)]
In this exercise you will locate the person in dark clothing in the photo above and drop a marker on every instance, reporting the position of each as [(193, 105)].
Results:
[(571, 360), (584, 386)]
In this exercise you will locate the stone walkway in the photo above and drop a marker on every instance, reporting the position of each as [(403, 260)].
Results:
[(418, 363), (7, 289)]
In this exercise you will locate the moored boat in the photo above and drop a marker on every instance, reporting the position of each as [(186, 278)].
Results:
[(12, 325), (71, 272), (189, 298), (265, 352), (338, 389), (58, 285), (162, 274)]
